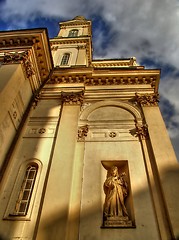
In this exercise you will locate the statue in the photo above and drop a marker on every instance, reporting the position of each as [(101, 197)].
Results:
[(116, 190)]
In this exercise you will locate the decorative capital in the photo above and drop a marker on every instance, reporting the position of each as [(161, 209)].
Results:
[(82, 132), (141, 131), (36, 100), (72, 98), (20, 57), (149, 100)]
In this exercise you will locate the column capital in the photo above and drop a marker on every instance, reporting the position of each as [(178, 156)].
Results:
[(142, 131), (148, 99), (72, 98), (82, 132)]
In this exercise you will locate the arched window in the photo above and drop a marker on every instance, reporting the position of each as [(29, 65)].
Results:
[(25, 193), (73, 33), (65, 59)]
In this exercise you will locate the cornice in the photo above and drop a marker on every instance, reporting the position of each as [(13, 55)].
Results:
[(19, 57), (104, 81), (34, 40), (131, 62)]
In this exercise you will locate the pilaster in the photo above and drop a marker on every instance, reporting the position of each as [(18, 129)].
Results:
[(58, 210), (161, 165)]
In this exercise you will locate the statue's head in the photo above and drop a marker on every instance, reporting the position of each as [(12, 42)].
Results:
[(114, 171)]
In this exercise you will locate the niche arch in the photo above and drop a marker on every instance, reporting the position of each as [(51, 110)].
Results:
[(118, 104)]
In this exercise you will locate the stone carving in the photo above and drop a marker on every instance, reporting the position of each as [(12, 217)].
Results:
[(116, 190), (36, 100), (82, 132), (88, 81), (142, 131), (147, 99), (42, 130), (72, 98), (23, 57), (112, 134)]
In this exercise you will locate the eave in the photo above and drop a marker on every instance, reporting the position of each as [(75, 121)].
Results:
[(105, 77), (34, 40)]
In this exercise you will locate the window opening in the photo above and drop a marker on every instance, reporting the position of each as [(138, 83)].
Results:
[(25, 194), (65, 59), (73, 33)]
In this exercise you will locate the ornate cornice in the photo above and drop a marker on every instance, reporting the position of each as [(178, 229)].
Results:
[(141, 131), (20, 57), (90, 81), (149, 100), (115, 63), (33, 40), (72, 98), (82, 132)]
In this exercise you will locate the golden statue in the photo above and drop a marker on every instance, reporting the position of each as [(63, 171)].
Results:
[(116, 190)]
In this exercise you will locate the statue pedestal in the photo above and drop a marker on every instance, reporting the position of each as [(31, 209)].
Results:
[(113, 222)]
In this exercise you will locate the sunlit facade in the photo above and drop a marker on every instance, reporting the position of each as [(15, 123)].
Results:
[(84, 151)]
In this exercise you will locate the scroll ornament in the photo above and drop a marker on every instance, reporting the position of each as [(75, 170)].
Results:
[(82, 132), (142, 131)]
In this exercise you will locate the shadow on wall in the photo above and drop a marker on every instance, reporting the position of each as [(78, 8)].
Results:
[(54, 228), (3, 238)]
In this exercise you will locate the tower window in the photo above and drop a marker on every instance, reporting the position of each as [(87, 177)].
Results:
[(25, 194), (65, 59), (73, 33)]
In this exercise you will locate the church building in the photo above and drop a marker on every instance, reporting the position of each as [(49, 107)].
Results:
[(84, 151)]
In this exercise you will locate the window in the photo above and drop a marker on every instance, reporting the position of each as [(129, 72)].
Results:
[(24, 197), (73, 33), (65, 59)]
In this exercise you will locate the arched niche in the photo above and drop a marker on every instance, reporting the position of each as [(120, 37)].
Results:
[(110, 110)]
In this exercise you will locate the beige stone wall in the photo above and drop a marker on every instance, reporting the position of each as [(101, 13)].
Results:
[(35, 144), (15, 95)]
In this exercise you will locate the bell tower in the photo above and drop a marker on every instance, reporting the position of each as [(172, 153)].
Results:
[(72, 46)]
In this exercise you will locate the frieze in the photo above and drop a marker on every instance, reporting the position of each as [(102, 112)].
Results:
[(82, 132), (72, 98), (149, 100), (104, 81)]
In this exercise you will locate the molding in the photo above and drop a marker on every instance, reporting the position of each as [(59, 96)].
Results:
[(34, 40), (147, 100), (128, 107), (115, 63), (101, 80)]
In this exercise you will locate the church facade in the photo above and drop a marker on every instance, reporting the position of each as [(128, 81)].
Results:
[(84, 151)]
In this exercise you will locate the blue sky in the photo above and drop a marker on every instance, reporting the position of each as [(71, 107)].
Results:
[(145, 29)]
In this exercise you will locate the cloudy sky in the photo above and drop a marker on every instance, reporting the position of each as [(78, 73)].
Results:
[(146, 29)]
